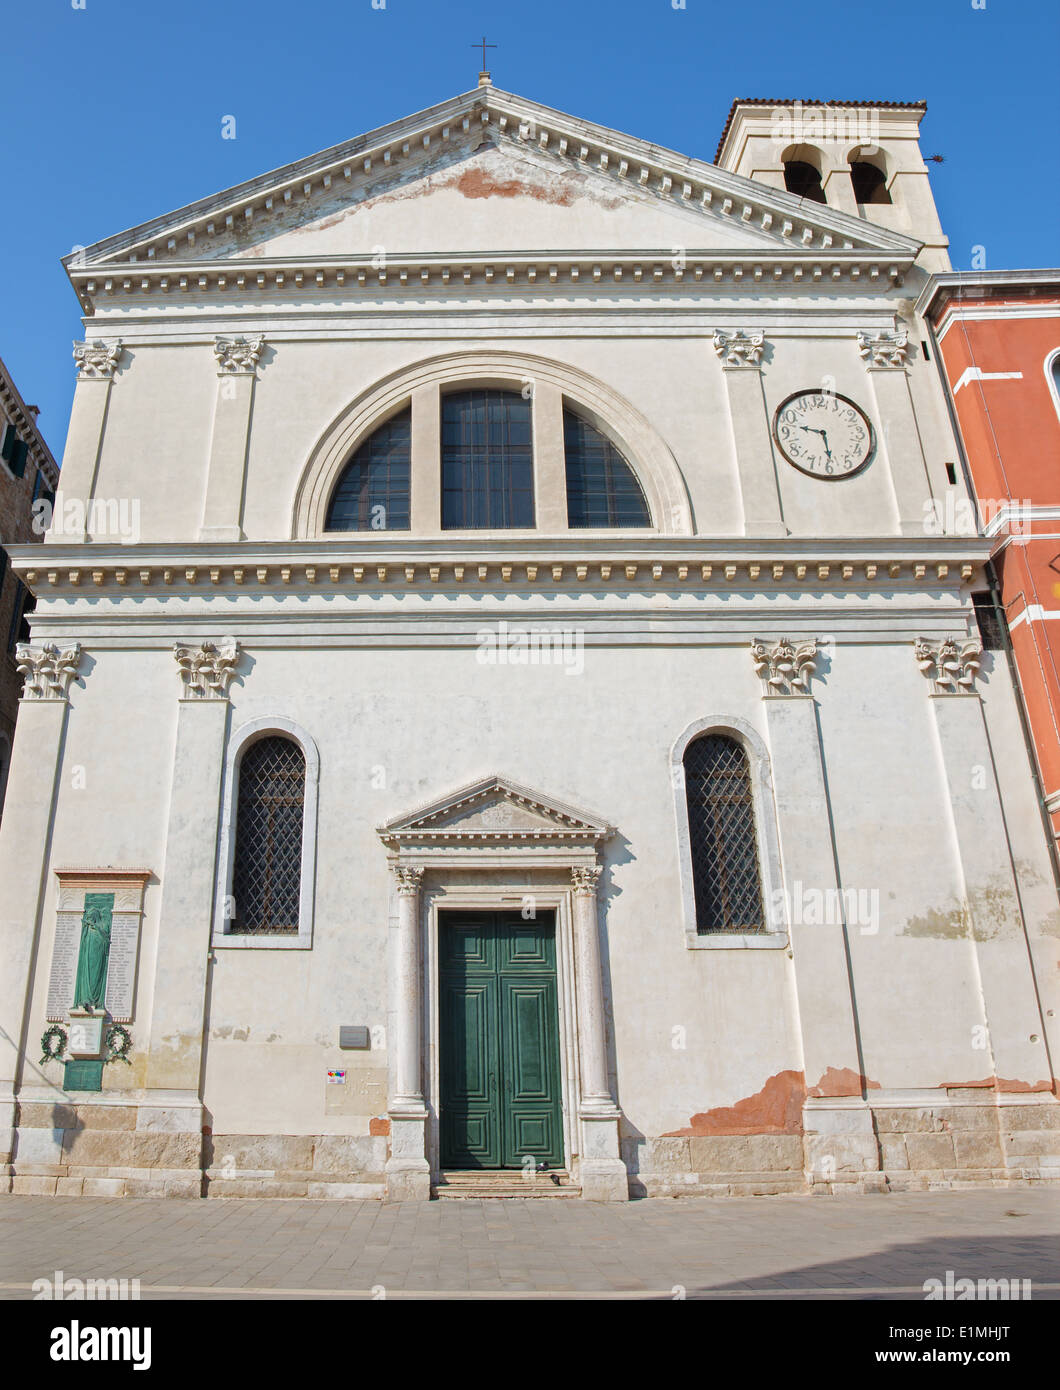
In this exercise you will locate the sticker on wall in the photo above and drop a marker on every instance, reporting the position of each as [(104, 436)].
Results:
[(336, 1078)]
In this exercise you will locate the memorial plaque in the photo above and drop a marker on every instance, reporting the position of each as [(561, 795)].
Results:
[(77, 888), (64, 966), (121, 971)]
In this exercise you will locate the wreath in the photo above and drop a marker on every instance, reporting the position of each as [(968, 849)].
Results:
[(53, 1044), (119, 1041)]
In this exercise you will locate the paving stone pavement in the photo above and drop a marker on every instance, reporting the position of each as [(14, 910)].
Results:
[(789, 1247)]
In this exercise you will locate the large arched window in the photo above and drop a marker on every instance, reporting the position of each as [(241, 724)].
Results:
[(602, 489), (726, 873), (267, 869), (373, 492), (487, 460)]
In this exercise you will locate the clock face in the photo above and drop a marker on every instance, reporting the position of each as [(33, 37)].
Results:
[(825, 435)]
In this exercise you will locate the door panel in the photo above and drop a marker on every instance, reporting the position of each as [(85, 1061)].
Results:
[(500, 1086)]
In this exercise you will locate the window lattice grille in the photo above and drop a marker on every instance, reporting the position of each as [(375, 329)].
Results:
[(602, 489), (725, 867), (267, 877)]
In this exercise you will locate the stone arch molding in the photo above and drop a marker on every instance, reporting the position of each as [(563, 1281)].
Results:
[(650, 457)]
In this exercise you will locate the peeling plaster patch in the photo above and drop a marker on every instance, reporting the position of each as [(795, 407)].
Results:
[(775, 1109), (505, 178), (240, 1034), (947, 925), (1050, 924), (841, 1081), (999, 1084)]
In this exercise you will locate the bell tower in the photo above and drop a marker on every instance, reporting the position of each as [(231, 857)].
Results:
[(860, 157)]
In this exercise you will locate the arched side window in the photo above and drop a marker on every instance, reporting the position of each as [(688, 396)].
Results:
[(487, 460), (869, 182), (725, 869), (267, 875), (1052, 376), (804, 180), (373, 492), (267, 860), (729, 852), (602, 489)]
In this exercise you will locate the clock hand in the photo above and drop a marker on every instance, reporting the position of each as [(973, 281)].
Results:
[(824, 436)]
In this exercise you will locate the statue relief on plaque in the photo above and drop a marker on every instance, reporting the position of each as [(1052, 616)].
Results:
[(97, 942)]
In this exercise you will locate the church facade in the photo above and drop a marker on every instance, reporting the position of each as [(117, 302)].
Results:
[(504, 708)]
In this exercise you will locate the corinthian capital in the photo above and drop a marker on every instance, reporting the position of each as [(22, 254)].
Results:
[(783, 668), (48, 669), (950, 665), (96, 360), (237, 356), (407, 878), (206, 669), (739, 349), (585, 878), (884, 349)]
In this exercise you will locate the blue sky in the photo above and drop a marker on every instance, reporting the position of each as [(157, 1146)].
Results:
[(113, 111)]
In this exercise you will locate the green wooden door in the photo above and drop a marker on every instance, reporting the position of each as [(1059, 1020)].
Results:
[(500, 1087)]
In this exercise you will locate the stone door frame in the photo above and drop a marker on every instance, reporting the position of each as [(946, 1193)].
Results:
[(487, 846), (445, 896)]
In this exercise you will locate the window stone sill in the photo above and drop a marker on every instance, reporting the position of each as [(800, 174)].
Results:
[(234, 941), (764, 941)]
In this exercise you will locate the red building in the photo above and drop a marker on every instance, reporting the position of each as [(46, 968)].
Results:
[(997, 336)]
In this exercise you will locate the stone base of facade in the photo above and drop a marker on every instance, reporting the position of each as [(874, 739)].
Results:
[(912, 1143), (954, 1140)]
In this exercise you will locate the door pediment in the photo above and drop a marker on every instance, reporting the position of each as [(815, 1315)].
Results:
[(495, 816)]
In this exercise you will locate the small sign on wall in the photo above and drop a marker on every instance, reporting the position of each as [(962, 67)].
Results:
[(336, 1078), (353, 1036)]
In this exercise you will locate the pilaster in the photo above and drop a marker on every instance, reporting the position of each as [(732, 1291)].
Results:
[(991, 897), (836, 1120), (602, 1173), (237, 359), (408, 1171), (884, 354), (96, 364), (740, 355), (175, 1055), (25, 846)]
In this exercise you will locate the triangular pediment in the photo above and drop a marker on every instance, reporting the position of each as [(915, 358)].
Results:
[(493, 810), (490, 171)]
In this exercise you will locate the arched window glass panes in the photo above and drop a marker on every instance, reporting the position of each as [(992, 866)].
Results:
[(721, 825), (602, 489), (267, 873), (487, 461), (373, 491)]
